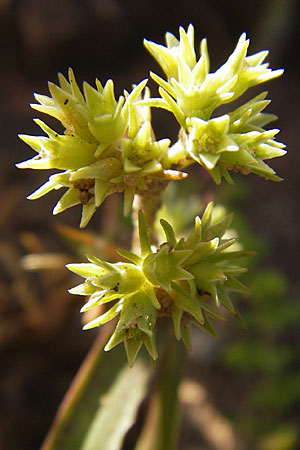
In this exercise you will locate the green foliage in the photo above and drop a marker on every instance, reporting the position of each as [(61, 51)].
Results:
[(130, 386), (266, 354), (102, 391)]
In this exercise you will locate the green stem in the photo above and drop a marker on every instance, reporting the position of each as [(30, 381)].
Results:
[(149, 201), (161, 428)]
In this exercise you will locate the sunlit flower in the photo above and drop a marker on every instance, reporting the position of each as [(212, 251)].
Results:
[(234, 141), (108, 145), (178, 279)]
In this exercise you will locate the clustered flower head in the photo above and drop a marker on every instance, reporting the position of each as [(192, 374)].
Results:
[(187, 279), (234, 141), (109, 145)]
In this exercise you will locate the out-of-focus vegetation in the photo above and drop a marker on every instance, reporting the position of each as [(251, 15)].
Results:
[(266, 358), (257, 368)]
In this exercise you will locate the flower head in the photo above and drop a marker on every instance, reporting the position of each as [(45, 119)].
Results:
[(108, 145), (178, 279), (234, 141)]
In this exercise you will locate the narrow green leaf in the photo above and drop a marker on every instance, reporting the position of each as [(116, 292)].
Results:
[(117, 413), (94, 380)]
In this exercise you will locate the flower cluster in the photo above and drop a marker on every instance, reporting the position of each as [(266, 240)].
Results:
[(182, 278), (234, 141), (108, 145)]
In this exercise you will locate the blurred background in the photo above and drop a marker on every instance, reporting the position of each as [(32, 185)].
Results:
[(246, 383)]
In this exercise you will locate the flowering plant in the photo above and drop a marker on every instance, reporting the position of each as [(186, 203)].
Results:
[(109, 146)]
